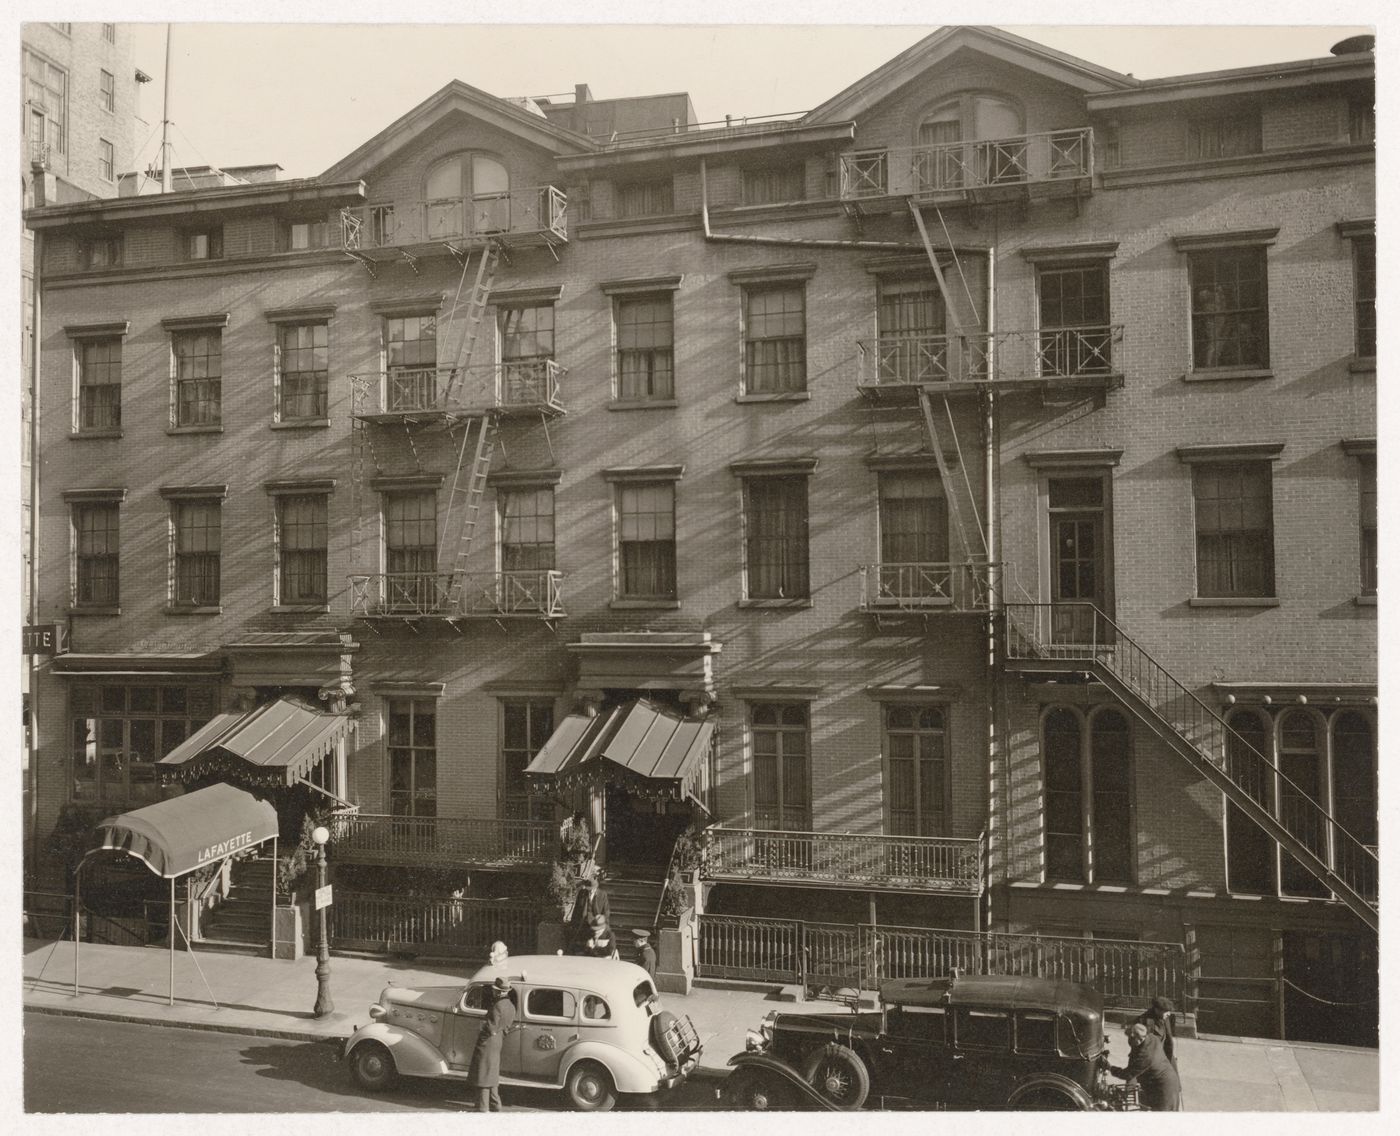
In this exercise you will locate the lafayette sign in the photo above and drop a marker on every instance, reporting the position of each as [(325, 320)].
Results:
[(225, 847), (45, 639)]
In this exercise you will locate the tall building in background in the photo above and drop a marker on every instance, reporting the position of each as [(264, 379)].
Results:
[(957, 500)]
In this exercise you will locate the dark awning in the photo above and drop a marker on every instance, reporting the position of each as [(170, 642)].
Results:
[(646, 749), (176, 836), (273, 745)]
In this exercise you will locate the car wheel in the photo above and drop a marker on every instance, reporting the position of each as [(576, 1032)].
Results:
[(838, 1073), (372, 1066), (753, 1091), (590, 1087)]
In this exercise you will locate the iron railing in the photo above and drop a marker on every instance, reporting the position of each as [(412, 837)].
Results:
[(444, 925), (513, 385), (1126, 973), (926, 587), (534, 592), (455, 595), (404, 594), (955, 167), (1048, 354), (49, 915), (377, 838), (537, 210), (1082, 633), (923, 863)]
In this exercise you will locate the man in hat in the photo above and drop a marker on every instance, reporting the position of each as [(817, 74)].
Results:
[(646, 953), (486, 1059), (1159, 1087), (592, 901), (601, 942)]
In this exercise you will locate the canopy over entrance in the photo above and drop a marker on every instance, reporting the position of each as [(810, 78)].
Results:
[(639, 746), (179, 835), (275, 745)]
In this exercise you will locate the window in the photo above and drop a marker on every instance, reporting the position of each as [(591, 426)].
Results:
[(100, 384), (103, 251), (198, 544), (775, 545), (1035, 1033), (204, 244), (467, 193), (96, 541), (926, 1024), (645, 198), (302, 235), (410, 348), (781, 780), (1249, 852), (1366, 466), (645, 339), (107, 91), (1234, 529), (526, 724), (382, 226), (544, 1002), (1354, 799), (106, 162), (198, 376), (109, 32), (527, 348), (994, 123), (301, 549), (1088, 796), (1064, 796), (1110, 799), (46, 96), (1075, 338), (775, 339), (983, 1029), (410, 547), (412, 746), (770, 184), (1361, 122), (1227, 136), (912, 323), (595, 1009), (302, 371), (1229, 308), (916, 756), (913, 535), (1363, 251), (646, 526), (120, 731), (1300, 761), (527, 529)]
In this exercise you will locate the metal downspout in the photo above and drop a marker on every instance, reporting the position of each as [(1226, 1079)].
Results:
[(994, 582), (32, 491)]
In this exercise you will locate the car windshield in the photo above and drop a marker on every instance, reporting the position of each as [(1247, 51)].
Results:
[(644, 993)]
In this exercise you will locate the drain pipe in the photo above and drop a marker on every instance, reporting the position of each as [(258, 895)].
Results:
[(994, 583)]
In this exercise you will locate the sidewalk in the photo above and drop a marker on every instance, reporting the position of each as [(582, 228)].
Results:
[(273, 998)]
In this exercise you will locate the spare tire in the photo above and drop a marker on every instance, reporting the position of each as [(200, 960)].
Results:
[(664, 1039), (838, 1073)]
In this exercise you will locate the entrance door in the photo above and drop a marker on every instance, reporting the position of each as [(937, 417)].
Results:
[(1078, 560), (640, 830)]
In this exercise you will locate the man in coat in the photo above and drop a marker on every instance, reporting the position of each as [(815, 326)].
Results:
[(601, 943), (646, 953), (486, 1058), (1158, 1019), (592, 902), (1159, 1088)]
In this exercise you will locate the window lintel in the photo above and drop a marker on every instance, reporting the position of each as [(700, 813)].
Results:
[(191, 492), (1196, 242), (915, 692), (777, 692), (640, 285), (1085, 251), (774, 467), (1359, 447), (195, 323), (302, 313), (396, 689), (1072, 459), (525, 297), (1230, 452), (405, 482), (83, 496), (774, 273), (298, 486), (1360, 228), (922, 460), (425, 303), (644, 473), (524, 478), (97, 330)]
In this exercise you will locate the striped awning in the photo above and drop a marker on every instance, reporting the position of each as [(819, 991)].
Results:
[(275, 744), (640, 746)]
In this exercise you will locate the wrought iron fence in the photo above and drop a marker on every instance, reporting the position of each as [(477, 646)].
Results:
[(926, 587), (49, 915), (448, 925), (929, 863), (953, 167), (383, 839)]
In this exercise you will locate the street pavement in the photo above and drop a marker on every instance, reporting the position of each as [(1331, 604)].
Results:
[(273, 998)]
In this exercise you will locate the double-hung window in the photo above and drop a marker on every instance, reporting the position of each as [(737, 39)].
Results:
[(776, 558), (1075, 335), (527, 529), (775, 338), (196, 349), (106, 160), (1228, 282), (527, 350), (645, 348), (913, 517), (412, 749), (646, 540), (204, 244), (913, 344), (767, 185), (1225, 136), (302, 539), (526, 724), (303, 368), (410, 352), (410, 550), (1234, 529), (96, 522), (196, 524), (1087, 770), (1366, 471), (99, 384), (645, 198), (46, 98), (107, 91)]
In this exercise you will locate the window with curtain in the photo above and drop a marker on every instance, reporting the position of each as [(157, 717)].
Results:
[(1229, 307), (527, 529), (303, 362), (119, 732), (198, 377), (198, 550), (1075, 338), (410, 548), (781, 754), (913, 347), (1363, 251), (1370, 573), (1300, 761), (916, 760), (96, 538), (527, 346), (412, 747), (410, 352), (776, 538), (645, 347), (646, 527), (913, 515), (100, 384), (1234, 528), (775, 339), (302, 533)]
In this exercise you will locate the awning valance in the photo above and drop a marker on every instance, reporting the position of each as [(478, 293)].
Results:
[(640, 746), (176, 836), (273, 745)]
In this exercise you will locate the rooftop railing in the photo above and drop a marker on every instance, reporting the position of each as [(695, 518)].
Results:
[(537, 210)]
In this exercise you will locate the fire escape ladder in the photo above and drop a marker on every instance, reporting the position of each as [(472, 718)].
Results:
[(951, 489), (470, 494), (475, 312), (1035, 634)]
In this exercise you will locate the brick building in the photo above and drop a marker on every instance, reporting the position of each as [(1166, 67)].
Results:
[(960, 498)]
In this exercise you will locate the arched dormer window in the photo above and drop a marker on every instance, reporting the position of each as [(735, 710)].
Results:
[(466, 194), (946, 161)]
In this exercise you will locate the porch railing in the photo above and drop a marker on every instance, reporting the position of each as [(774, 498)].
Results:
[(860, 956), (377, 838), (1048, 354), (954, 167), (535, 210), (926, 587), (925, 863), (446, 925)]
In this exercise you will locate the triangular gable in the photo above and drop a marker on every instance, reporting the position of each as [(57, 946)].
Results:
[(456, 98), (934, 49)]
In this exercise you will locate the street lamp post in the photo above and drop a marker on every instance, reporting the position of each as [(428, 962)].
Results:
[(320, 834)]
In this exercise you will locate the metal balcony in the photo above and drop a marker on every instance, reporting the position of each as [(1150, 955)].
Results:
[(536, 592), (1046, 358), (889, 589), (453, 595), (535, 215), (430, 394), (972, 169)]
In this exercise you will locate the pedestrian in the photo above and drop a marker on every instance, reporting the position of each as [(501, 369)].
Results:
[(1159, 1087), (646, 953), (595, 899), (601, 943), (485, 1073), (1158, 1018)]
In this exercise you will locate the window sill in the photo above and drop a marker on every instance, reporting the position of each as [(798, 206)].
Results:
[(86, 435), (302, 424), (645, 605), (301, 609), (1365, 365), (642, 404), (1365, 601), (194, 609), (95, 609), (805, 601), (1226, 374), (784, 396), (1234, 601), (219, 429)]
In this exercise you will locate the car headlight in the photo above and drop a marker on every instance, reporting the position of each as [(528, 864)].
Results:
[(754, 1041), (377, 1011), (766, 1026)]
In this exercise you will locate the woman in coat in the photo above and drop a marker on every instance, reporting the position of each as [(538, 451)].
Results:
[(486, 1058)]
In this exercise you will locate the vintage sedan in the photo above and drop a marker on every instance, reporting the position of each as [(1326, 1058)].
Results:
[(971, 1042), (591, 1027)]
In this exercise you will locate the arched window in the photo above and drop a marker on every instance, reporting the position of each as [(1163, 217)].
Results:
[(1110, 775), (1249, 852), (1354, 799), (1064, 796), (466, 194), (993, 121), (1300, 761)]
